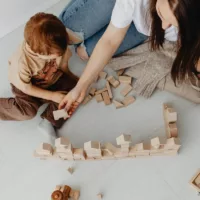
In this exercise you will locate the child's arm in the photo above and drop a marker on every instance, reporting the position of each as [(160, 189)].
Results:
[(35, 91)]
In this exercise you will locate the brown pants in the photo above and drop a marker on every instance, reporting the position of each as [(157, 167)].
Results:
[(24, 107)]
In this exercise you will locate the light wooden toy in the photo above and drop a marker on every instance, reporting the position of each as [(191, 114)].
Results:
[(58, 114), (93, 150), (125, 79), (64, 192), (195, 182), (115, 83)]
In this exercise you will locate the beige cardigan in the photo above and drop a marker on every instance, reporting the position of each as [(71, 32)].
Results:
[(152, 69)]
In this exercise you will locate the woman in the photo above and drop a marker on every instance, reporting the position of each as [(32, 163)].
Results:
[(173, 20)]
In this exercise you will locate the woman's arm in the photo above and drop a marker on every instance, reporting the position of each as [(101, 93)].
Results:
[(101, 55)]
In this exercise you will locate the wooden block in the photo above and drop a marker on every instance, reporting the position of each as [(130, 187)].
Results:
[(101, 91), (173, 130), (109, 90), (58, 114), (111, 149), (106, 155), (120, 72), (106, 98), (125, 79), (103, 75), (62, 142), (195, 179), (74, 194), (140, 149), (155, 142), (123, 139), (128, 100), (118, 104), (169, 117), (70, 170), (99, 98), (172, 144), (115, 83), (79, 154), (92, 91), (87, 99), (126, 90), (58, 187), (100, 196), (44, 149)]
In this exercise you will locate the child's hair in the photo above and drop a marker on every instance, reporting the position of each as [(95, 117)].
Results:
[(187, 12), (46, 34)]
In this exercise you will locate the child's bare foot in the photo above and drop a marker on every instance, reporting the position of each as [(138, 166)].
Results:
[(74, 38), (82, 53)]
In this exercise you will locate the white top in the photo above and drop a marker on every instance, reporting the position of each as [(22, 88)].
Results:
[(126, 11)]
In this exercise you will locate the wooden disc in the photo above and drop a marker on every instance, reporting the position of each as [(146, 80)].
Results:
[(57, 195)]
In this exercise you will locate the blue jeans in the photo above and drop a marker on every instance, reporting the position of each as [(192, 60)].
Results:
[(91, 18)]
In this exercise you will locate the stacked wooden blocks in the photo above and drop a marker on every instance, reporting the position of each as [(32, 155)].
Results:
[(94, 151)]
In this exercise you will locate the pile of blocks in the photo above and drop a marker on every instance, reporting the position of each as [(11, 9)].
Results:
[(105, 94), (93, 150), (64, 193)]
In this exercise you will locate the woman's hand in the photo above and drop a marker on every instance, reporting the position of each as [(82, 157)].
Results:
[(72, 100), (57, 97)]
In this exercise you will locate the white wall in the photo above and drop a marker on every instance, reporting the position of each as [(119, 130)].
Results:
[(14, 13)]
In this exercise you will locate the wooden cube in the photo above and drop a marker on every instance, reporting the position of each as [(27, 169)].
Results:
[(125, 79), (99, 98), (58, 114), (106, 98), (126, 90), (128, 100), (118, 104), (120, 72), (109, 90)]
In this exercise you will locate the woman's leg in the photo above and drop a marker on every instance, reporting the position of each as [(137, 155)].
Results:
[(132, 39), (87, 17)]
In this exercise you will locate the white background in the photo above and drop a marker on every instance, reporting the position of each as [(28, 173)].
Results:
[(14, 13)]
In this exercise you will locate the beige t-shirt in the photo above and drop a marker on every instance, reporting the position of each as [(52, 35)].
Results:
[(27, 67)]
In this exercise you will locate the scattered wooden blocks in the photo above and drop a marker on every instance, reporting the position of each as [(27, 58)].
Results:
[(70, 170), (115, 83), (195, 182), (92, 91), (120, 72), (87, 99), (128, 100), (125, 79), (109, 90), (118, 104), (99, 98), (93, 149), (126, 90), (58, 114), (100, 196), (106, 98), (103, 75)]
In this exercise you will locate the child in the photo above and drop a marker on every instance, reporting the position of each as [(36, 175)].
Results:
[(38, 73)]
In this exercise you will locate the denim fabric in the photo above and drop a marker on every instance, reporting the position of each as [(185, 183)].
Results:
[(91, 18)]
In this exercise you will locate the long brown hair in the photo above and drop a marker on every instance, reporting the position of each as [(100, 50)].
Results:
[(187, 13), (46, 34)]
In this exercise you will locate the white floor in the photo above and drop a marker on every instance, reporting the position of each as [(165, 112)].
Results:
[(159, 178)]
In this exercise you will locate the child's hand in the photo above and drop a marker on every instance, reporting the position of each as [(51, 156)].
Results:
[(57, 97), (72, 100)]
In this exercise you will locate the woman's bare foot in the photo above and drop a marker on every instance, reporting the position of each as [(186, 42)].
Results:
[(82, 53)]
